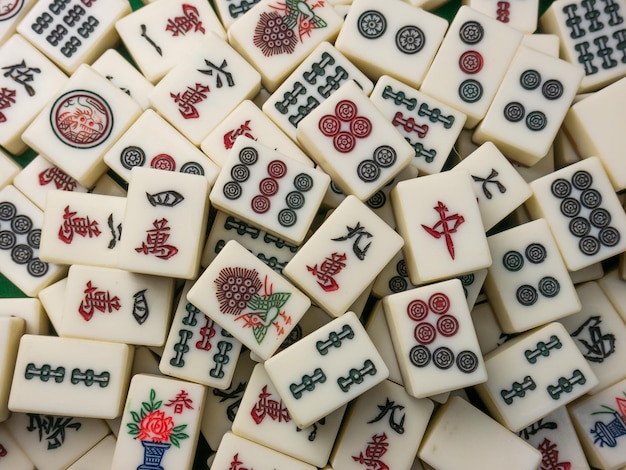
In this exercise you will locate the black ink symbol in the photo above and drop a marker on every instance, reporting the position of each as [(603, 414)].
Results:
[(150, 41), (487, 180)]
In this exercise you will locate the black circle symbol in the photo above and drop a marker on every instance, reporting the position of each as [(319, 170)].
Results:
[(552, 89), (530, 79), (589, 245), (34, 238), (609, 236), (471, 32), (295, 200), (248, 155), (548, 286), (132, 156), (600, 217), (7, 240), (385, 156), (467, 361), (570, 207), (36, 267), (590, 198), (371, 24), (21, 254), (377, 200), (303, 182), (470, 91), (287, 217), (240, 173), (526, 295), (513, 260), (561, 188), (232, 190), (192, 168), (401, 268), (7, 210), (579, 227), (368, 171), (443, 358), (514, 111), (467, 279), (410, 39), (536, 121), (536, 253), (21, 224), (582, 179), (419, 356), (397, 284)]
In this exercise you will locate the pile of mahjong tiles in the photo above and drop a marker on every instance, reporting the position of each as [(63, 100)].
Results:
[(300, 234)]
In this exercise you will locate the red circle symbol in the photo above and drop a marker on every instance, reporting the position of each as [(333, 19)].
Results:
[(329, 125), (447, 325), (439, 303), (361, 127), (163, 161), (268, 186), (344, 142), (425, 333), (276, 169), (260, 204), (346, 110), (471, 62), (417, 310)]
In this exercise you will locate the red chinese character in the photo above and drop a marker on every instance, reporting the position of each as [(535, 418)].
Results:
[(80, 226), (265, 406), (7, 98), (97, 300), (180, 402), (183, 24), (446, 230), (61, 180), (550, 457), (231, 136), (155, 241), (376, 448), (329, 268), (189, 98), (236, 464)]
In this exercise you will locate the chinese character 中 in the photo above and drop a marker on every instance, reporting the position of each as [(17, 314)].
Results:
[(443, 225)]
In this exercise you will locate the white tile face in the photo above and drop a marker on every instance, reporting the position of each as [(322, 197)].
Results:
[(73, 32), (41, 176), (316, 78), (272, 191), (583, 212), (249, 121), (151, 142), (533, 375), (461, 436), (430, 126), (12, 15), (613, 287), (324, 371), (82, 228), (378, 331), (471, 63), (115, 68), (249, 299), (80, 123), (263, 418), (229, 11), (100, 457), (498, 186), (110, 304), (384, 427), (439, 219), (11, 454), (8, 169), (164, 225), (28, 81), (600, 425), (158, 35), (303, 26), (55, 442), (160, 423), (519, 15), (11, 330), (30, 310), (52, 299), (343, 256), (528, 284), (434, 339), (590, 38), (530, 105), (237, 453), (197, 349), (64, 376), (20, 234), (353, 142), (391, 38)]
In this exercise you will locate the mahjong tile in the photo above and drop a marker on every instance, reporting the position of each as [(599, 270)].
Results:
[(583, 212), (157, 36), (229, 11), (160, 423), (115, 68), (522, 16), (82, 228), (498, 186), (471, 62), (263, 418), (564, 151), (80, 123), (73, 32), (108, 186), (590, 273), (439, 219), (487, 329), (323, 71), (298, 25), (270, 190), (66, 376), (391, 38), (164, 224), (247, 298), (11, 454), (530, 105), (343, 256), (30, 310), (204, 87), (354, 142), (8, 169), (20, 234), (197, 349), (593, 125), (249, 121), (99, 457), (533, 375), (430, 126), (546, 43), (591, 37), (52, 299), (151, 142), (12, 14), (11, 330), (29, 79), (378, 330), (322, 372), (384, 427)]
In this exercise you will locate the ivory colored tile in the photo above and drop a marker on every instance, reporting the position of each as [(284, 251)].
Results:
[(378, 330), (30, 310), (546, 43), (100, 457), (590, 273), (52, 299), (11, 330), (11, 454), (521, 16), (12, 16), (229, 11), (8, 169), (613, 287)]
